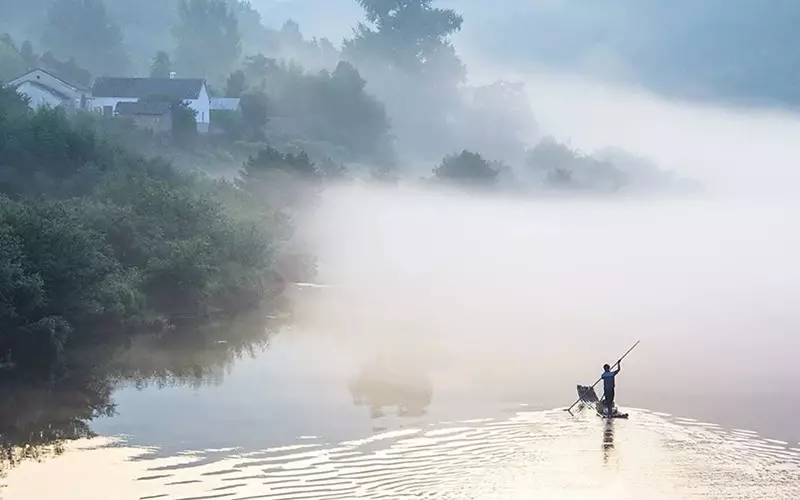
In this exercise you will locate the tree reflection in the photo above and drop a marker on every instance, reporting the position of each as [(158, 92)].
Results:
[(38, 416), (385, 386)]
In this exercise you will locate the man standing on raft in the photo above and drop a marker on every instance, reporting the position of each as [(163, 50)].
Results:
[(609, 385)]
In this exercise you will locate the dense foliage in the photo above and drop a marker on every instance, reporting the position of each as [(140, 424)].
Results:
[(326, 111), (280, 179), (92, 236), (467, 169), (82, 29), (208, 39), (412, 36), (162, 65)]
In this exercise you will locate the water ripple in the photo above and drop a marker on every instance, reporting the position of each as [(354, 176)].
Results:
[(529, 455)]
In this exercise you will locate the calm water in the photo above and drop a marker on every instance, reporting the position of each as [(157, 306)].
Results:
[(446, 333)]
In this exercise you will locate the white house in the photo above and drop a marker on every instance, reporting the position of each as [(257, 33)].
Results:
[(46, 89), (107, 92)]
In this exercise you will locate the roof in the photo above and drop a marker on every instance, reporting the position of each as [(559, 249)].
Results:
[(173, 88), (21, 79), (225, 103), (143, 108), (45, 88)]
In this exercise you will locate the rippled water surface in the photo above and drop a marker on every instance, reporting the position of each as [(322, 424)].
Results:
[(528, 455)]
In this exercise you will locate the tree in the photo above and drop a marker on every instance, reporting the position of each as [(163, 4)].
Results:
[(12, 63), (235, 85), (558, 166), (27, 53), (405, 52), (257, 68), (270, 158), (280, 180), (348, 116), (83, 29), (466, 168), (255, 107), (162, 65), (208, 40), (329, 111), (184, 124), (409, 35), (13, 106)]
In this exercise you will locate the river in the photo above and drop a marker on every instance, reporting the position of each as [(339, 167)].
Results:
[(436, 352)]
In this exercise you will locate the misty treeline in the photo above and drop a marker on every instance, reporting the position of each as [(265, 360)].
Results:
[(96, 240), (394, 94)]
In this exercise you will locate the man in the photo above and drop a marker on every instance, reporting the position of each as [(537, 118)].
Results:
[(609, 385)]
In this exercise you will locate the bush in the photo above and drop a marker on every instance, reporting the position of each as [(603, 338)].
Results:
[(57, 272), (254, 109), (279, 180), (466, 168), (557, 166), (184, 124)]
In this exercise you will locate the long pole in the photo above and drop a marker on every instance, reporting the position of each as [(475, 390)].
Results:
[(601, 378)]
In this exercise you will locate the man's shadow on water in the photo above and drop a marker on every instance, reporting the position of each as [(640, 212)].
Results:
[(608, 440)]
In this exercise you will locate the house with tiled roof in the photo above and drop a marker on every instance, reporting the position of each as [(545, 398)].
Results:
[(109, 92), (43, 88)]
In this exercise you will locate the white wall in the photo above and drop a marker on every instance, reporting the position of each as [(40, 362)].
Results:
[(202, 106), (40, 97)]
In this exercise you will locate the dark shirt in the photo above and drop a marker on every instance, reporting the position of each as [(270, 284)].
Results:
[(608, 380)]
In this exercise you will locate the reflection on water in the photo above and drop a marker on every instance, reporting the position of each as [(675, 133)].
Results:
[(381, 387), (608, 439), (529, 455), (37, 417)]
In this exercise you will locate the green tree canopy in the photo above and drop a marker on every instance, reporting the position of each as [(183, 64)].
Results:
[(332, 110), (254, 108), (409, 35), (162, 65), (12, 63), (83, 29), (280, 180), (466, 168), (236, 84), (208, 40), (404, 50)]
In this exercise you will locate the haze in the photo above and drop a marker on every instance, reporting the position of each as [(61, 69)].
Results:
[(453, 221)]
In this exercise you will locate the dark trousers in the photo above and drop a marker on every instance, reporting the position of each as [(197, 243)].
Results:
[(608, 398)]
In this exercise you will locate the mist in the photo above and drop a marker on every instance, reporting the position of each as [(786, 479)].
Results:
[(526, 296), (391, 217)]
